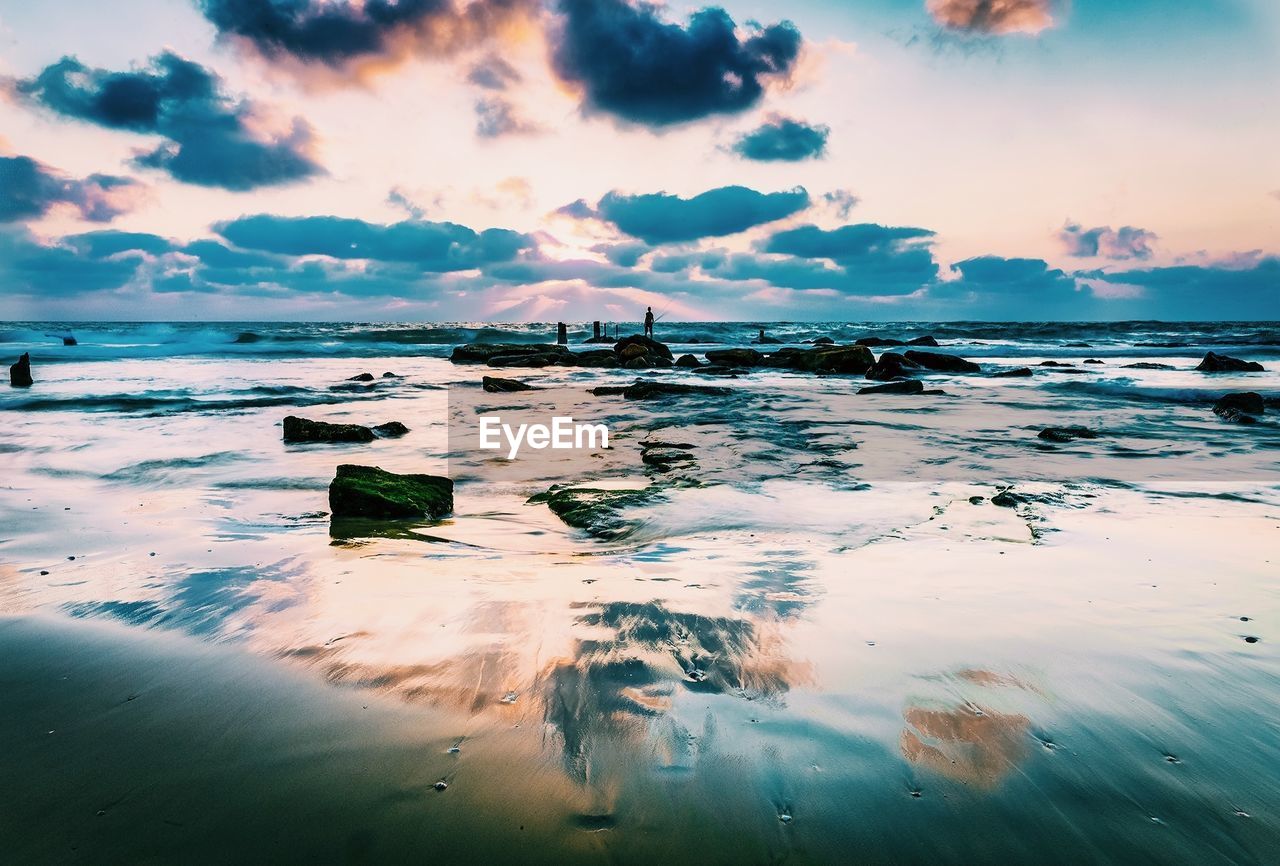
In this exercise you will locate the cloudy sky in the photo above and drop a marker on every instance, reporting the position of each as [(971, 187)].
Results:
[(499, 160)]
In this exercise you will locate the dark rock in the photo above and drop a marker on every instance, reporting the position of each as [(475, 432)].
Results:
[(480, 353), (596, 358), (391, 430), (1148, 365), (1076, 346), (1093, 361), (765, 340), (599, 340), (20, 373), (721, 370), (926, 340), (1055, 364), (495, 385), (873, 342), (1006, 499), (1240, 407), (363, 377), (1016, 372), (650, 390), (658, 443), (824, 341), (562, 358), (906, 386), (849, 360), (68, 340), (595, 511), (944, 363), (688, 361), (891, 365), (391, 375), (304, 430), (735, 357), (1066, 434), (369, 491), (932, 392), (666, 459), (1215, 363), (650, 346)]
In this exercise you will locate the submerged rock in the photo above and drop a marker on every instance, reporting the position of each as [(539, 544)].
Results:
[(20, 373), (646, 389), (875, 342), (1215, 363), (1016, 372), (926, 340), (390, 375), (391, 430), (497, 385), (1067, 434), (1093, 361), (942, 362), (688, 361), (369, 491), (1055, 364), (1147, 365), (823, 341), (1006, 499), (362, 377), (906, 386), (1241, 407), (480, 353), (593, 510), (305, 430)]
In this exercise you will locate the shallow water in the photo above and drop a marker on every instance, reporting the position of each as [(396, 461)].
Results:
[(824, 651)]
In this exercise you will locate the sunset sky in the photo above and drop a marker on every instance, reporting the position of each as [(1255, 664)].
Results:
[(579, 159)]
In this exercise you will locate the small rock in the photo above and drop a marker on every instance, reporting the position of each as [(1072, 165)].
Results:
[(941, 362), (688, 361), (1215, 363), (391, 430), (1240, 405), (906, 386), (926, 340), (20, 373), (362, 377), (891, 365), (1093, 361), (370, 491), (497, 385), (1148, 365), (305, 430), (1017, 372), (1066, 434)]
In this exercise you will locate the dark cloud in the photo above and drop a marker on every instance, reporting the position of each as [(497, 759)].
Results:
[(429, 246), (661, 218), (631, 63), (210, 138), (782, 139), (623, 255), (578, 210), (337, 32), (1009, 276), (497, 117), (28, 267), (993, 17), (493, 73), (1105, 242), (1246, 291), (29, 189), (103, 244), (847, 243)]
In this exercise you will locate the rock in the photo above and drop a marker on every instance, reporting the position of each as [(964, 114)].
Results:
[(735, 357), (496, 385), (304, 430), (1055, 364), (926, 340), (688, 361), (651, 347), (67, 339), (596, 358), (391, 375), (1240, 407), (1016, 372), (1093, 361), (824, 341), (1006, 499), (480, 353), (718, 370), (666, 459), (646, 389), (595, 511), (891, 365), (634, 350), (849, 360), (659, 443), (1147, 365), (944, 363), (873, 342), (20, 373), (1066, 434), (563, 358), (906, 386), (369, 491), (1215, 363), (1076, 346), (363, 377), (391, 430)]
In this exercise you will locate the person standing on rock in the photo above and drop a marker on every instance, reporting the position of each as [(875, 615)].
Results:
[(648, 322)]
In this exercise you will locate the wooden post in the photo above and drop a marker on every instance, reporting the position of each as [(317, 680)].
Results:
[(596, 328), (562, 334)]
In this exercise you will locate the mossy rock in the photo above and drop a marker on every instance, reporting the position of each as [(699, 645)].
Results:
[(305, 430), (594, 510), (369, 491)]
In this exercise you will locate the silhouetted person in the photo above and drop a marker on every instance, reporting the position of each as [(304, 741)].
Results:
[(648, 322)]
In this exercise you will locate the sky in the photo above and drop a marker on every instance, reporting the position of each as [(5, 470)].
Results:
[(544, 160)]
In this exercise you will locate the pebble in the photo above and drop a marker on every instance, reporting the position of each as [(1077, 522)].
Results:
[(441, 785)]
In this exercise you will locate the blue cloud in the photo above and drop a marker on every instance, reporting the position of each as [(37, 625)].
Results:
[(631, 63), (431, 246), (846, 244), (782, 139), (1248, 291), (209, 137), (1126, 242), (30, 189), (661, 218)]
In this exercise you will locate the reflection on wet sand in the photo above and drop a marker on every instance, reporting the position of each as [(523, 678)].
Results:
[(969, 741)]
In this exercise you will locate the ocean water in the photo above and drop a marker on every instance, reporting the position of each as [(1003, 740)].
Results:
[(824, 644)]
